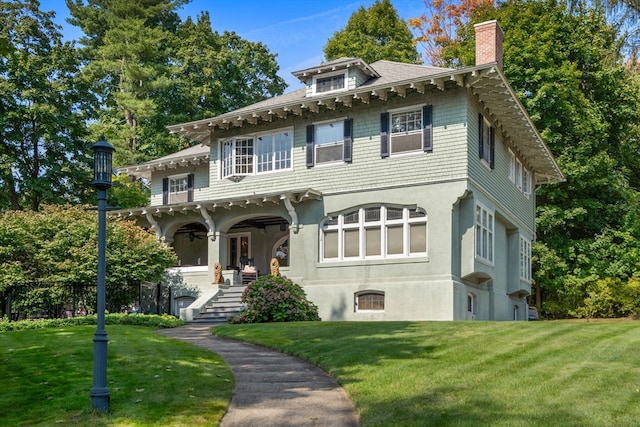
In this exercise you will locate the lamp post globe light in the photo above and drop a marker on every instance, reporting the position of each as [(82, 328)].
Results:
[(102, 170)]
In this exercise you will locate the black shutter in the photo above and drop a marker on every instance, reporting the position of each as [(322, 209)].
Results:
[(165, 191), (384, 135), (480, 135), (492, 147), (190, 187), (348, 140), (310, 134), (427, 128)]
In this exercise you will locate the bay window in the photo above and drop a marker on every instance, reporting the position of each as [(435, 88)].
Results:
[(262, 153), (525, 259), (484, 233)]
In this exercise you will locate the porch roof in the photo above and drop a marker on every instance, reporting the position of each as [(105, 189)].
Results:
[(287, 197), (190, 156)]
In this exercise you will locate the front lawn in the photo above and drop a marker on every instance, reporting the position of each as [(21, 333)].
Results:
[(46, 376), (472, 373)]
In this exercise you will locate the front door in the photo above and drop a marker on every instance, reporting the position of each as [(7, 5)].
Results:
[(239, 247)]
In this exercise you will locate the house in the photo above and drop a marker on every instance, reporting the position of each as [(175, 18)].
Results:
[(389, 191)]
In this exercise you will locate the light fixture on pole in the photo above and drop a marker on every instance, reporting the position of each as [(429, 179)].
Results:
[(102, 170)]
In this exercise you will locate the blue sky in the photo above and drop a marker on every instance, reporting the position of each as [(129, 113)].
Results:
[(294, 30)]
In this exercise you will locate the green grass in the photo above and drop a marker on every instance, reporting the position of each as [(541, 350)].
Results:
[(398, 373), (472, 373), (46, 376)]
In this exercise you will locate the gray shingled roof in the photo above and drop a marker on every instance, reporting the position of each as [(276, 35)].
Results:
[(192, 155)]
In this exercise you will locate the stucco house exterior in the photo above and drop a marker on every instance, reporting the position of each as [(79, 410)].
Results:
[(389, 191)]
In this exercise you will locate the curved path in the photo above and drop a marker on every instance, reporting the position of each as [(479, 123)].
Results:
[(273, 389)]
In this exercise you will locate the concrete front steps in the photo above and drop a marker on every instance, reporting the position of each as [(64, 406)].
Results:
[(224, 305)]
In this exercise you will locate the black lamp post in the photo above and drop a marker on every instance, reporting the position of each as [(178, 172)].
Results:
[(102, 152)]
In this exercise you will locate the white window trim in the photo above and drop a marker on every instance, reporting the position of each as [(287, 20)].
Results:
[(486, 141), (254, 137), (415, 107), (490, 232), (174, 194), (527, 184), (471, 301), (315, 79), (525, 259), (383, 224), (340, 142), (517, 173)]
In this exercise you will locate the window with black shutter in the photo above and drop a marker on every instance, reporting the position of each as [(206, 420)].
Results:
[(165, 191), (190, 182), (427, 128), (384, 135), (486, 141), (348, 141)]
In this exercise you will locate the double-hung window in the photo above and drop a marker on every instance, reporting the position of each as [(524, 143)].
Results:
[(486, 141), (374, 232), (525, 259), (485, 223), (256, 154), (177, 189), (329, 142), (519, 175), (406, 131)]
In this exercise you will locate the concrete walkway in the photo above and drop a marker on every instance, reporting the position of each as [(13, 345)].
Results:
[(272, 389)]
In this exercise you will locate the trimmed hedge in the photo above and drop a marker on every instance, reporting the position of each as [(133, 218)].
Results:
[(148, 320)]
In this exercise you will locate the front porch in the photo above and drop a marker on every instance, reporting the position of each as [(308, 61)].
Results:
[(234, 232)]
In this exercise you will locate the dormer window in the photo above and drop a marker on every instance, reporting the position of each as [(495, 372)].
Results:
[(333, 83), (329, 84)]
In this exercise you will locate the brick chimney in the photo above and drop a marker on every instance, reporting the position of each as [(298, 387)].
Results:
[(489, 37)]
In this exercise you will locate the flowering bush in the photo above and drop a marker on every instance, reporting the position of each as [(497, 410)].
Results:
[(275, 299)]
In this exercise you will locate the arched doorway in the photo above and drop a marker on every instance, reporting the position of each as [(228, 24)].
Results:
[(256, 240)]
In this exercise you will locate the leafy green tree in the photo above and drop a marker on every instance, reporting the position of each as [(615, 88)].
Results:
[(373, 34), (43, 110), (565, 67), (217, 73), (153, 70), (125, 48), (45, 255)]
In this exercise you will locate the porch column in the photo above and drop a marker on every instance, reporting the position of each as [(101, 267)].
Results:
[(217, 252)]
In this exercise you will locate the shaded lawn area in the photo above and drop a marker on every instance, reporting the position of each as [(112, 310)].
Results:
[(472, 373), (46, 376)]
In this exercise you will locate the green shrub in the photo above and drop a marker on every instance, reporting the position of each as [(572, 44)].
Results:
[(151, 321), (275, 299)]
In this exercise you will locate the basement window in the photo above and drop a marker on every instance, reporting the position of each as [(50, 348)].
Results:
[(369, 301)]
